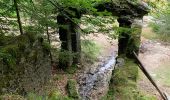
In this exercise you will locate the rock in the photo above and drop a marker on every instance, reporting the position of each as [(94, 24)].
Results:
[(120, 62), (143, 48), (95, 81)]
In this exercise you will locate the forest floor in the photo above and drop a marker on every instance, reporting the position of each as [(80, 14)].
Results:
[(155, 56)]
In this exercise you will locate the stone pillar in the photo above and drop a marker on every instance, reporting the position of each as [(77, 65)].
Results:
[(129, 36), (65, 57), (124, 35), (70, 38), (75, 36), (136, 34), (76, 44)]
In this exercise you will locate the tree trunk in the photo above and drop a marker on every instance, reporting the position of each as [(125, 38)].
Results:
[(18, 17)]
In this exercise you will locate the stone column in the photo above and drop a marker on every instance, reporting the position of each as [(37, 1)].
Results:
[(75, 34), (124, 35), (70, 38), (65, 58), (76, 44), (129, 36), (136, 34)]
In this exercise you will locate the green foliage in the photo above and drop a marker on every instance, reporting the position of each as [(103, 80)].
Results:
[(161, 24), (12, 50), (155, 27), (90, 50), (65, 55), (97, 24), (72, 89), (83, 5)]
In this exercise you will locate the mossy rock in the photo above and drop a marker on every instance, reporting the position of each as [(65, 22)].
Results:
[(123, 84), (72, 89), (18, 56)]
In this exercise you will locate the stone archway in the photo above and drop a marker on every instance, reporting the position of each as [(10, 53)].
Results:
[(129, 17), (127, 13)]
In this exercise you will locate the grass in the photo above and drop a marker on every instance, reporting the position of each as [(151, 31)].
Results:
[(123, 84), (149, 34), (163, 74), (152, 33)]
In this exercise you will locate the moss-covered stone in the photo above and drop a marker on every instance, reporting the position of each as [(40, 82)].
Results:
[(123, 84), (72, 89), (24, 64)]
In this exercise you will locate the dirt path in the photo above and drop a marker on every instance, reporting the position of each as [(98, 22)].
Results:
[(156, 58)]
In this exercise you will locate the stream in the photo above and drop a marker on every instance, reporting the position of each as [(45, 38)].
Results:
[(93, 84)]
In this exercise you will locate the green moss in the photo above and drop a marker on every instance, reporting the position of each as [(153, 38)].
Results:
[(132, 38), (72, 89), (72, 69), (123, 83)]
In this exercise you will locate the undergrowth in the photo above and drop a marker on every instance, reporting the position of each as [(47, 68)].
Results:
[(54, 95), (161, 32)]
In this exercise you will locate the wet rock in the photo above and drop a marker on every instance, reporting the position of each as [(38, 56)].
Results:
[(95, 81)]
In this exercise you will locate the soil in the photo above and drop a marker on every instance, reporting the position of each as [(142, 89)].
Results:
[(154, 55)]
